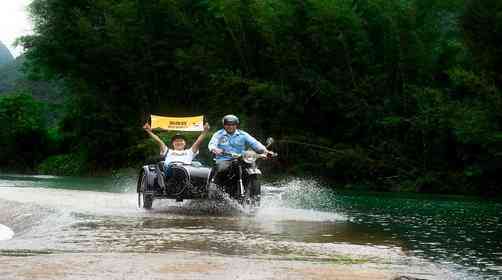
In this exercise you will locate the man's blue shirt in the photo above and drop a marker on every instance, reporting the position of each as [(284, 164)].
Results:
[(233, 143)]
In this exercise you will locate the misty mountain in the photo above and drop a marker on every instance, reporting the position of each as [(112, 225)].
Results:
[(13, 79), (5, 55)]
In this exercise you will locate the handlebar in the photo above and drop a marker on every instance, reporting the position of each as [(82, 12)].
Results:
[(273, 154), (232, 155), (262, 155)]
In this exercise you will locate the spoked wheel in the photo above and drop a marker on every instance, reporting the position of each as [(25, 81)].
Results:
[(144, 200)]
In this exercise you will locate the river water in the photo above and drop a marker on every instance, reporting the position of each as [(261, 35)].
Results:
[(300, 224)]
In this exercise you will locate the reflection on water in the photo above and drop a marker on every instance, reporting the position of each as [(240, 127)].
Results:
[(115, 183), (465, 233), (298, 219)]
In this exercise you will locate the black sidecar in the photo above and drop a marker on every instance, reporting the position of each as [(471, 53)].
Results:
[(182, 182)]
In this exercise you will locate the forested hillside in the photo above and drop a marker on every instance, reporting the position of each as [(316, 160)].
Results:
[(392, 94), (30, 111), (13, 79), (9, 74)]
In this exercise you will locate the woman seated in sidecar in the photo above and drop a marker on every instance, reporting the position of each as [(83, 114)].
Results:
[(178, 154), (176, 176)]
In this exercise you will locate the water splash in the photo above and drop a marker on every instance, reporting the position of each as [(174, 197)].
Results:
[(281, 201), (298, 200), (5, 233)]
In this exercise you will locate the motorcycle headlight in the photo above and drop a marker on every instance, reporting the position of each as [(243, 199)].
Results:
[(249, 157)]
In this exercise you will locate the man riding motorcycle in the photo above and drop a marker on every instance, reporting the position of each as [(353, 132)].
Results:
[(231, 140)]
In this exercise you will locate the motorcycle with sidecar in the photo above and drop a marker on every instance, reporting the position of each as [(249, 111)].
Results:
[(240, 181)]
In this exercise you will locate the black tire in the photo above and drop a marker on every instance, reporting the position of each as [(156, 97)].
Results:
[(147, 201), (144, 200), (253, 190), (140, 187)]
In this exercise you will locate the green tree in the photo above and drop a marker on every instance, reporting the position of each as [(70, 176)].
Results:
[(481, 23), (24, 139), (375, 91)]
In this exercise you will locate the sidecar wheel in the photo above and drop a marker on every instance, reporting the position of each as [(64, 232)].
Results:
[(144, 200), (140, 187)]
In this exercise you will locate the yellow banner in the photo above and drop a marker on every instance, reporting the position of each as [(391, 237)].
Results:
[(181, 124)]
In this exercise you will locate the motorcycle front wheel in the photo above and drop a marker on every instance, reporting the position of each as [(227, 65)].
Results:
[(253, 191)]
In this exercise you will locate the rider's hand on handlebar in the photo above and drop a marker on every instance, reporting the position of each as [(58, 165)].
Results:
[(270, 153)]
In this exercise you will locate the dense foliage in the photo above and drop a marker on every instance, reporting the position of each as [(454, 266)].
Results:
[(24, 138), (397, 94)]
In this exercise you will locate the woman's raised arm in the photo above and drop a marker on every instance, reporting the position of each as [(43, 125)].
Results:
[(196, 144), (162, 145)]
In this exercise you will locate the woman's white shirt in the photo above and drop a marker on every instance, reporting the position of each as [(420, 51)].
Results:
[(184, 156)]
